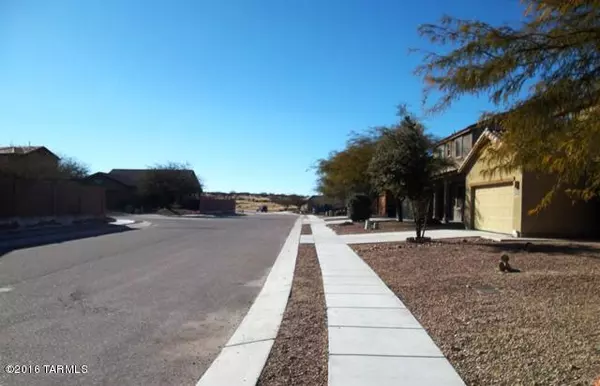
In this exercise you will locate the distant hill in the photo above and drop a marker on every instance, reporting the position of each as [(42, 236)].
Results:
[(251, 201)]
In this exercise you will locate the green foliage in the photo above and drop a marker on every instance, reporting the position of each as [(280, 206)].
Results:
[(66, 168), (71, 168), (169, 184), (544, 79), (359, 207), (346, 172), (404, 163)]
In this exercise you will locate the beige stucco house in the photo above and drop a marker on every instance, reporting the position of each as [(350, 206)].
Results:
[(497, 203), (501, 202)]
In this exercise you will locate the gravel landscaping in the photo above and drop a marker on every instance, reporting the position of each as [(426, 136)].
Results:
[(537, 327), (306, 230), (299, 355)]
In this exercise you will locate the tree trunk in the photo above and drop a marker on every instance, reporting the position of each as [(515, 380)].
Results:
[(420, 210), (426, 217), (415, 207)]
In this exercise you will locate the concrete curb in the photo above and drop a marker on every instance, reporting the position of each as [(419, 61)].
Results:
[(139, 224), (122, 221), (242, 359)]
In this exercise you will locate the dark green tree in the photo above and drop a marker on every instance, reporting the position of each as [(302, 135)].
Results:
[(71, 168), (405, 163), (359, 207), (165, 185)]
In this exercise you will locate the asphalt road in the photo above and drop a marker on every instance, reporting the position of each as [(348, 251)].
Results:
[(151, 306)]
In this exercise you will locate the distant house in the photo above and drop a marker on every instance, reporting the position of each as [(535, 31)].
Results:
[(119, 194), (28, 161), (124, 185)]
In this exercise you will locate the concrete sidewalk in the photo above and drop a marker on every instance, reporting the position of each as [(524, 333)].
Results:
[(373, 337)]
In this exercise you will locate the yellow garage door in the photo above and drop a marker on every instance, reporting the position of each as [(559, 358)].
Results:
[(493, 209)]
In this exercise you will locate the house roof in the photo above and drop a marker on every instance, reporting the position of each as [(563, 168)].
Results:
[(129, 177), (24, 150), (107, 176), (133, 177), (489, 135), (457, 134), (487, 125)]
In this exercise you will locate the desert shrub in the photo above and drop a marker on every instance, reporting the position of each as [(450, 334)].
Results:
[(359, 207)]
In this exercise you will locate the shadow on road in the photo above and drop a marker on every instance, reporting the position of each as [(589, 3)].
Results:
[(44, 236)]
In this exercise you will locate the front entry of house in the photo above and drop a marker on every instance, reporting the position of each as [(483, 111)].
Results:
[(449, 200), (492, 208), (458, 203)]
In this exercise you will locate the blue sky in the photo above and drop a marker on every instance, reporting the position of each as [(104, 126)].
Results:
[(249, 92)]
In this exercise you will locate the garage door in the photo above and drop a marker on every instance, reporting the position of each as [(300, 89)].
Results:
[(493, 209)]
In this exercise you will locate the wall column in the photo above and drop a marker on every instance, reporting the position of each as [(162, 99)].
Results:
[(446, 206), (434, 203)]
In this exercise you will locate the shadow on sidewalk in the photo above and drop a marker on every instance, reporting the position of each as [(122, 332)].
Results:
[(44, 236)]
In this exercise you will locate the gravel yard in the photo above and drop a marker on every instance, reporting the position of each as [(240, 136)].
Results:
[(299, 355), (537, 327), (306, 230)]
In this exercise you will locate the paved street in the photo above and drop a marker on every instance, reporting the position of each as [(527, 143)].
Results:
[(148, 306)]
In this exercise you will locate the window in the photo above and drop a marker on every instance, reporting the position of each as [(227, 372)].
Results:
[(448, 149), (458, 147), (466, 144)]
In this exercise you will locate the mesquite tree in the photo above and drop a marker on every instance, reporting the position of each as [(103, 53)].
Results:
[(345, 172), (543, 77)]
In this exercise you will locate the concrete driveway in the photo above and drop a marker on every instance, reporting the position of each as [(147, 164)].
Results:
[(150, 306)]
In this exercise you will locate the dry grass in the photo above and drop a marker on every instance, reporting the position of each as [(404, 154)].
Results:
[(299, 355), (248, 203), (537, 327)]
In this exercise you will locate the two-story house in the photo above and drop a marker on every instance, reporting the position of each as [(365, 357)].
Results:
[(499, 202), (448, 201)]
